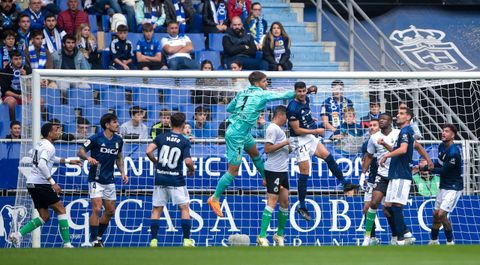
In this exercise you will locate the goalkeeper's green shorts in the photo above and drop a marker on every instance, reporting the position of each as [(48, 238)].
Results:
[(235, 144)]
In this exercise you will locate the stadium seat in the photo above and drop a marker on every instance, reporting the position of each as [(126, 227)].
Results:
[(145, 97), (93, 115), (198, 41), (64, 113), (112, 96), (92, 20), (177, 97), (4, 126), (18, 112), (215, 42), (80, 97), (213, 56), (106, 24), (51, 96)]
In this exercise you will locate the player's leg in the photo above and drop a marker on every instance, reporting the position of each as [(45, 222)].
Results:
[(109, 197), (379, 190), (62, 223), (252, 151), (95, 191), (283, 212), (304, 168), (322, 152), (160, 198), (181, 198), (273, 188), (444, 204), (397, 195)]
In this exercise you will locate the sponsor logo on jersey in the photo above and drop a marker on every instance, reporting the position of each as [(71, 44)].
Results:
[(108, 151)]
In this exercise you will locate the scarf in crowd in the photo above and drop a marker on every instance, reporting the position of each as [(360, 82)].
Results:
[(180, 12), (256, 28), (53, 42), (16, 79), (152, 14), (278, 48), (5, 55), (35, 17), (219, 12), (23, 40), (244, 10), (90, 46), (37, 62)]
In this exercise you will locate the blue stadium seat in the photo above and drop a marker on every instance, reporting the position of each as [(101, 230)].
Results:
[(145, 97), (213, 56), (198, 41), (18, 112), (106, 24), (64, 113), (93, 115), (51, 96), (106, 58), (221, 113), (80, 97), (215, 42), (4, 127), (4, 115), (112, 97), (92, 20), (176, 97)]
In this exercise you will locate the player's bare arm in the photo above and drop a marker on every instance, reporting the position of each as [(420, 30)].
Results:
[(397, 152), (190, 165), (302, 131), (382, 142), (421, 150), (83, 155), (150, 149), (121, 167), (270, 148)]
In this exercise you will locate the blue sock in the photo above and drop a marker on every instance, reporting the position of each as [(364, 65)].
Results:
[(101, 229), (391, 221), (154, 223), (93, 232), (399, 222), (448, 235), (302, 189), (186, 226), (333, 166), (434, 234)]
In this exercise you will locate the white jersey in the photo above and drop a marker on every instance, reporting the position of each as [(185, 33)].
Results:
[(43, 150), (276, 161), (379, 150)]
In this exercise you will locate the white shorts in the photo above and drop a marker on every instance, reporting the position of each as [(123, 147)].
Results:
[(304, 146), (447, 200), (398, 191), (104, 191), (162, 194), (367, 196)]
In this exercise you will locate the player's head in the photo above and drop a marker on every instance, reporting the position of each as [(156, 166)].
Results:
[(337, 89), (50, 131), (178, 120), (258, 79), (374, 107), (385, 121), (137, 114), (404, 116), (374, 126), (280, 115), (349, 115), (165, 117), (300, 91), (122, 31), (109, 122), (449, 131)]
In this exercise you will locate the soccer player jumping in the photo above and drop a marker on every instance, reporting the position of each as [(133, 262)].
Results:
[(245, 109)]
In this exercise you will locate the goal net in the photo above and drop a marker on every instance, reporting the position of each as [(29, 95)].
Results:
[(143, 102)]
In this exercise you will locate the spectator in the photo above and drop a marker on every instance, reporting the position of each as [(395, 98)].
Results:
[(121, 50), (7, 47), (237, 83), (135, 128), (374, 113), (350, 137), (236, 65), (103, 7), (201, 96), (187, 133), (256, 25), (200, 125), (23, 32), (15, 130), (214, 16), (150, 12), (148, 51), (334, 106), (10, 82), (239, 8), (53, 36), (36, 14), (64, 136), (258, 131), (69, 57), (180, 11), (276, 48), (9, 14), (36, 55), (238, 45), (87, 44), (84, 129), (50, 7), (222, 128), (178, 49), (70, 19), (163, 125)]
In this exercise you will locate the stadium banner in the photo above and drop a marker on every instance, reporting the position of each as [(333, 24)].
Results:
[(337, 221), (210, 164)]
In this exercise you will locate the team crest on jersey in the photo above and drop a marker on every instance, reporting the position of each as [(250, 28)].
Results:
[(87, 143), (452, 161), (116, 145)]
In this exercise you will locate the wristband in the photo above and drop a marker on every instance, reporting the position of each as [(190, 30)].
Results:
[(51, 180), (67, 160)]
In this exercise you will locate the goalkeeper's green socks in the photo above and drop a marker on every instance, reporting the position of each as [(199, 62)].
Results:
[(266, 217), (32, 225), (259, 164), (282, 220), (223, 184), (64, 228), (370, 220)]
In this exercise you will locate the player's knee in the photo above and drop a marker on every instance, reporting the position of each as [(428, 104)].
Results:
[(109, 212), (284, 204), (45, 217), (374, 204), (96, 209)]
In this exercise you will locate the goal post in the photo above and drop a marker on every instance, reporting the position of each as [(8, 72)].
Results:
[(435, 97)]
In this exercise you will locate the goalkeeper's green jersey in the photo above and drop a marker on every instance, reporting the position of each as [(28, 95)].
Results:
[(249, 103)]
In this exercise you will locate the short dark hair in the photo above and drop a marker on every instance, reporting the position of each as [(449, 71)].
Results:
[(300, 85), (256, 76), (374, 103), (254, 4), (134, 110), (452, 128), (171, 22), (237, 62), (35, 33), (200, 109), (82, 121), (204, 62), (387, 114), (107, 118), (279, 110), (337, 83), (124, 28), (408, 111), (22, 16), (15, 53), (68, 37), (147, 27), (374, 119), (8, 33), (13, 123), (49, 15), (55, 121), (177, 119), (46, 129)]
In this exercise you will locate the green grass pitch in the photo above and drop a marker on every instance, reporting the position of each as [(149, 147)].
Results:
[(385, 255)]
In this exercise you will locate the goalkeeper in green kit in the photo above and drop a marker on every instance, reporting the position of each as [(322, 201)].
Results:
[(245, 109)]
